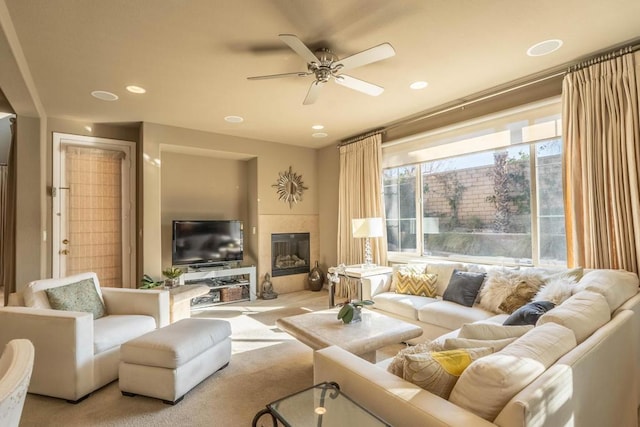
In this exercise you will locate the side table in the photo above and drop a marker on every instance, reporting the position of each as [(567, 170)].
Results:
[(180, 300), (356, 273), (320, 405)]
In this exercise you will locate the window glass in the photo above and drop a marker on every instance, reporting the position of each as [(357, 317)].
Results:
[(399, 186), (553, 247), (475, 198)]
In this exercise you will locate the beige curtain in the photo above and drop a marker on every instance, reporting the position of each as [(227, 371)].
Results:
[(360, 196), (8, 222), (601, 162)]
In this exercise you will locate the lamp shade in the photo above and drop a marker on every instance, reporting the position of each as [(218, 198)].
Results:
[(367, 227)]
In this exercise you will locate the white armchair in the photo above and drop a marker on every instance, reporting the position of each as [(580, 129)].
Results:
[(76, 354), (16, 366)]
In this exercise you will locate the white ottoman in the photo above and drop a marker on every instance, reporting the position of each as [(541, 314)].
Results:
[(170, 361)]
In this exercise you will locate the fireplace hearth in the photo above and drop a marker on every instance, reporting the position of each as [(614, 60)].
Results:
[(289, 254)]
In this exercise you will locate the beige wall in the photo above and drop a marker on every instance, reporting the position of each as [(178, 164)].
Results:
[(264, 162), (328, 166), (200, 187), (29, 241)]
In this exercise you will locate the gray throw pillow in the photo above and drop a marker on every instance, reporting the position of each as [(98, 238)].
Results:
[(463, 287), (528, 314), (79, 296)]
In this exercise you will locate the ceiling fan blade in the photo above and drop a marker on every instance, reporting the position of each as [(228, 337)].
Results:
[(314, 92), (300, 48), (359, 85), (276, 76), (376, 53)]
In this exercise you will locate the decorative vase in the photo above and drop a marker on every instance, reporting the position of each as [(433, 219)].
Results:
[(316, 278), (357, 314), (171, 283)]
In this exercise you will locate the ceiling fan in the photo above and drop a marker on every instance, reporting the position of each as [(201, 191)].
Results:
[(325, 65)]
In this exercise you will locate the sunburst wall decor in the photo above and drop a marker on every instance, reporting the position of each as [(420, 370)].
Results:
[(289, 187)]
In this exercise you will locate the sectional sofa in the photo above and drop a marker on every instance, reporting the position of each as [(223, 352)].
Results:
[(577, 365)]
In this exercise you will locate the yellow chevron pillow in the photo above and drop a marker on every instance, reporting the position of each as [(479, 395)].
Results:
[(421, 284)]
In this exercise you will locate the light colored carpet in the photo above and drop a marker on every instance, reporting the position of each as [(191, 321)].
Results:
[(266, 364)]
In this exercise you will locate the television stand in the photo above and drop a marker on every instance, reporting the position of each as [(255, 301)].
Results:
[(226, 285)]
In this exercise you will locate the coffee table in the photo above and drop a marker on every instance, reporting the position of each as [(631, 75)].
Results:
[(320, 405), (320, 329)]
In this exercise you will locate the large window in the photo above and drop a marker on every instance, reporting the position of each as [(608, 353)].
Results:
[(490, 191)]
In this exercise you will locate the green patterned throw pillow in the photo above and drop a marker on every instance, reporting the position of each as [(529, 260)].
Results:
[(79, 296), (421, 284)]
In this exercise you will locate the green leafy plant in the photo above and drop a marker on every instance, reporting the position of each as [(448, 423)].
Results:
[(147, 282), (348, 310), (172, 272)]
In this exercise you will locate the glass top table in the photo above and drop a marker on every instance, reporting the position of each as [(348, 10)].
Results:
[(320, 405)]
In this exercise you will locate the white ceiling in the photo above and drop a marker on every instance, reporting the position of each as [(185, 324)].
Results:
[(194, 57)]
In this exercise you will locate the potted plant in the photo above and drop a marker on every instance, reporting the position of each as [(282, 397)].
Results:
[(173, 276), (351, 312), (147, 282)]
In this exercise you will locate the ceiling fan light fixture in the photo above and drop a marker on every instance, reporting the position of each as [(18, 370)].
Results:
[(545, 47), (418, 85), (233, 119)]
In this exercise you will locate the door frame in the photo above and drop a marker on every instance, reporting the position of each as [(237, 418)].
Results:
[(128, 199)]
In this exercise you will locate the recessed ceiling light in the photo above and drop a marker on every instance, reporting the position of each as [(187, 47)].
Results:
[(544, 48), (418, 85), (234, 119), (136, 89), (104, 95), (319, 135), (317, 127), (88, 128)]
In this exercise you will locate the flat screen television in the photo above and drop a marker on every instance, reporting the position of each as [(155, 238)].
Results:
[(205, 242)]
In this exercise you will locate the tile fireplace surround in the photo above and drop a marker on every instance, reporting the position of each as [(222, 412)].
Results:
[(269, 224)]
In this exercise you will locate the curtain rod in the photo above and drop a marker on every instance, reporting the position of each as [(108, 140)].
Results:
[(602, 58), (359, 137)]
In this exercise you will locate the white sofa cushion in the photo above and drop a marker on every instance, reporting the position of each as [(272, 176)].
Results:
[(492, 331), (616, 286), (450, 315), (444, 272), (486, 386), (583, 313), (175, 345), (401, 304), (496, 345), (35, 296), (114, 330)]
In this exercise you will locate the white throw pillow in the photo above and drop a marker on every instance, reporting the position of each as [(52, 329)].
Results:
[(486, 386), (444, 272), (616, 286), (492, 331), (583, 313), (556, 290)]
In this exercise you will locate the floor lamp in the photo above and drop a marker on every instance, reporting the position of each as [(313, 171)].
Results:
[(367, 228)]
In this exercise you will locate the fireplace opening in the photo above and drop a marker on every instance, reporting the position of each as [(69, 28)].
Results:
[(289, 254)]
